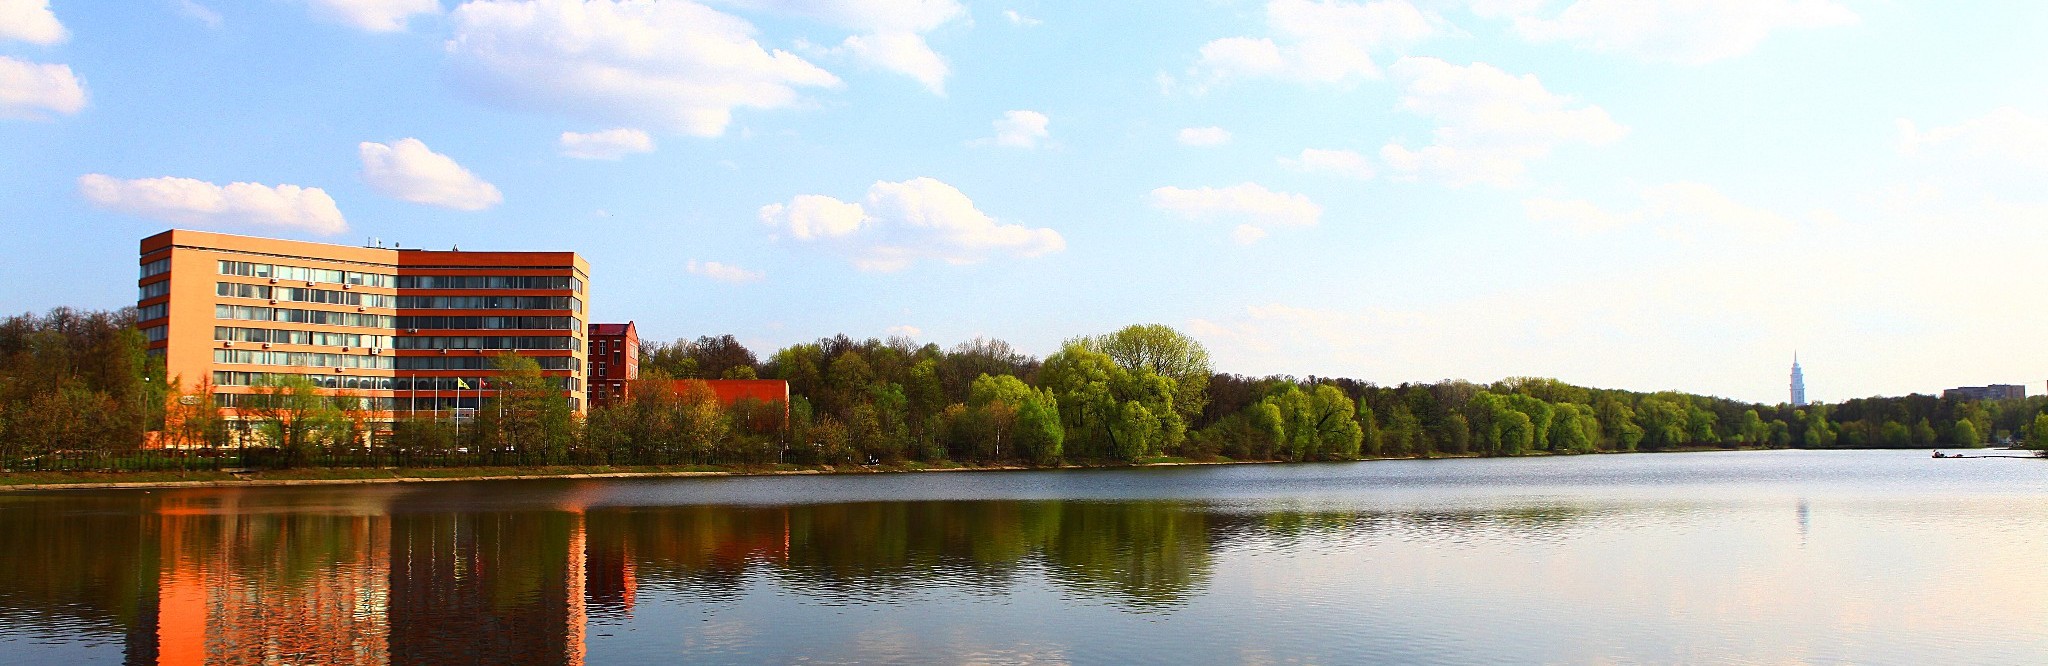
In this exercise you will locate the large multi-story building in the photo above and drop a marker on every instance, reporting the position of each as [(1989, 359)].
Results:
[(1992, 392), (405, 329)]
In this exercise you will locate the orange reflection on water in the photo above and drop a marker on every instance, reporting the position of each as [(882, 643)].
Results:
[(241, 585)]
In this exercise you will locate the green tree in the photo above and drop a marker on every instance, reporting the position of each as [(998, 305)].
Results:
[(1896, 435), (1164, 352), (291, 415), (1923, 433), (527, 413), (1754, 430), (2037, 433), (1039, 434), (1965, 434)]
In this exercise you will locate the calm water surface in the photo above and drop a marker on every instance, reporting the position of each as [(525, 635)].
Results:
[(1780, 557)]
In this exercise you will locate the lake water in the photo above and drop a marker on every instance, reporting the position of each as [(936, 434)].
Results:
[(1782, 557)]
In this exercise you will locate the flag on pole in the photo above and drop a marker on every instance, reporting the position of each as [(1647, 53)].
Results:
[(461, 385)]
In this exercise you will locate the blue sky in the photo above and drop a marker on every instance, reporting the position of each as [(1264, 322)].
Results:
[(1646, 195)]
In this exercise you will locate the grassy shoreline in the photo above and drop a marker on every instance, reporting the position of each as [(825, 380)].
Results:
[(39, 481)]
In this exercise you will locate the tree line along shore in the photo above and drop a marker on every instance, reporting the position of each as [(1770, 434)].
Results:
[(79, 393)]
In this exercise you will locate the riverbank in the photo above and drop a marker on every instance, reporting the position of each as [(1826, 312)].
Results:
[(34, 481), (39, 481)]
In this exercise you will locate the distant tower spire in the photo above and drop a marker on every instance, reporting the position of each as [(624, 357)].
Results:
[(1798, 383)]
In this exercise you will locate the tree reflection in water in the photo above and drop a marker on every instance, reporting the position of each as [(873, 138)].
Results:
[(209, 576)]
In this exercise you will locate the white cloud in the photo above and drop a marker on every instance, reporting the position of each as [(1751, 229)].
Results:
[(727, 273), (610, 144), (1018, 129), (1203, 136), (891, 31), (1018, 19), (905, 330), (197, 202), (200, 13), (1683, 31), (407, 170), (901, 223), (1256, 209), (30, 21), (1490, 124), (814, 216), (905, 53), (1323, 41), (374, 15), (34, 91), (2006, 134), (672, 65), (1346, 163)]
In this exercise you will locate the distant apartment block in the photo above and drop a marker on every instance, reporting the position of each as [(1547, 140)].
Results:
[(1992, 392), (405, 329)]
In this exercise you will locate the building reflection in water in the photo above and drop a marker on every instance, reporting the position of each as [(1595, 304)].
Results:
[(399, 577)]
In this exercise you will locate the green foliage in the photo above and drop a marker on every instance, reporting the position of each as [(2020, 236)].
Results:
[(1039, 433), (1965, 435), (1315, 424), (290, 414), (2037, 433), (1163, 352)]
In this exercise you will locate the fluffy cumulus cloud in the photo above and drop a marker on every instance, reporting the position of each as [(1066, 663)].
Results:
[(408, 171), (1019, 19), (900, 223), (30, 21), (1255, 209), (38, 91), (200, 203), (1682, 31), (374, 15), (1325, 41), (1203, 136), (1018, 129), (610, 144), (726, 273), (1490, 123), (890, 33), (674, 65), (1346, 163)]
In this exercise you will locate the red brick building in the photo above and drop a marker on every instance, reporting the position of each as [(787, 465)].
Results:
[(614, 361)]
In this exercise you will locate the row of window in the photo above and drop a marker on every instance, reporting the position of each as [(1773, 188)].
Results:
[(154, 333), (489, 282), (435, 323), (150, 312), (481, 362), (359, 383), (491, 303), (246, 269), (158, 267), (153, 290), (303, 294), (254, 401), (298, 316), (306, 359), (355, 382), (282, 336), (491, 342)]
